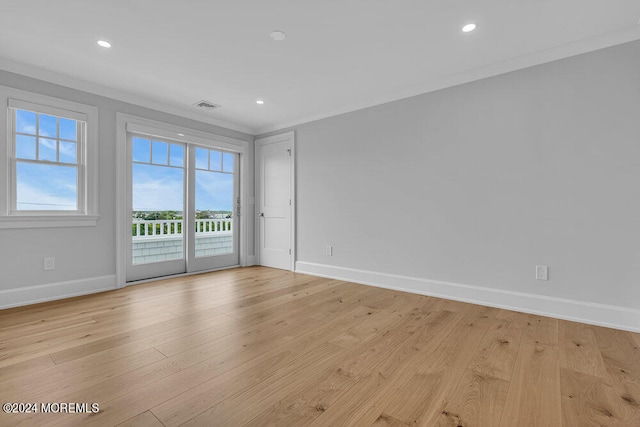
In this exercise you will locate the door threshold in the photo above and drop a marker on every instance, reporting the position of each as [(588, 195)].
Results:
[(171, 276)]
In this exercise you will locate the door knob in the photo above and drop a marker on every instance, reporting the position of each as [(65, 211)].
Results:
[(261, 213)]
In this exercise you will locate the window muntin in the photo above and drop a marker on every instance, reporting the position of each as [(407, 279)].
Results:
[(214, 160), (48, 172)]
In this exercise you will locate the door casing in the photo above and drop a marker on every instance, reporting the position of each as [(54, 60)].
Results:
[(130, 123)]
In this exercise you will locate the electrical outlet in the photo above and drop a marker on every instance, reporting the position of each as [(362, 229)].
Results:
[(329, 250), (542, 272), (50, 263)]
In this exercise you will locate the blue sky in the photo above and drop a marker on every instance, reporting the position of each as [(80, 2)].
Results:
[(157, 185)]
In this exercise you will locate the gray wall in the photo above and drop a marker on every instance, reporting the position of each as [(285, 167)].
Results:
[(478, 183), (474, 184), (82, 252)]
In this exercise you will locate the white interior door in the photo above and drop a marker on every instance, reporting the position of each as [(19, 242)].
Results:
[(275, 175)]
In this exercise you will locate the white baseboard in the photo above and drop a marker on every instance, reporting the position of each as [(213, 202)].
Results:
[(610, 316), (53, 291)]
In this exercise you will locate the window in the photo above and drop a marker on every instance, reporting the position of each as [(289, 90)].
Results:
[(51, 162), (47, 170)]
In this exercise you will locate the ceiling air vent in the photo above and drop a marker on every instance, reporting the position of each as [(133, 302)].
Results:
[(206, 105)]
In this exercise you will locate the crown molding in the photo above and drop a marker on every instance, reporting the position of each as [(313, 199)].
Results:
[(525, 61), (118, 95)]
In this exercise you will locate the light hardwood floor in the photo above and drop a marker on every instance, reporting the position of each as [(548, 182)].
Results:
[(262, 347)]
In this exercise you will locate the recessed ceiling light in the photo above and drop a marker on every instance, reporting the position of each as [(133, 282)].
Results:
[(468, 28), (181, 134), (278, 35), (259, 102), (104, 43)]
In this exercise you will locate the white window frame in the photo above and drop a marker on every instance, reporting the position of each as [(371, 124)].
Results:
[(87, 166)]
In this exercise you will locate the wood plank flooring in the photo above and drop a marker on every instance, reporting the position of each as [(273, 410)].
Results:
[(265, 347)]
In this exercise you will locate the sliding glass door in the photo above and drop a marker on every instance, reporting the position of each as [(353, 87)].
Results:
[(182, 203), (215, 200)]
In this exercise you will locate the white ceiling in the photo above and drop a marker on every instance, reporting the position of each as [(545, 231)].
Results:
[(338, 55)]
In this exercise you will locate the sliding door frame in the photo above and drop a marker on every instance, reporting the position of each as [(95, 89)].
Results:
[(128, 123), (195, 264), (165, 268)]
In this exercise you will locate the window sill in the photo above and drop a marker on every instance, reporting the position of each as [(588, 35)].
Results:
[(48, 221)]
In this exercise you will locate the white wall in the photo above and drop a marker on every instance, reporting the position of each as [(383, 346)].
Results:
[(85, 256), (479, 183)]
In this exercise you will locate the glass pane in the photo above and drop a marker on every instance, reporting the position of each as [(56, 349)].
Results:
[(214, 212), (228, 162), (160, 154), (26, 122), (141, 150), (215, 162), (47, 149), (68, 129), (25, 147), (202, 158), (46, 187), (48, 126), (68, 152), (177, 155), (157, 217)]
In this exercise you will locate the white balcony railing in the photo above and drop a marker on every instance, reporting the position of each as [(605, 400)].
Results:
[(142, 229)]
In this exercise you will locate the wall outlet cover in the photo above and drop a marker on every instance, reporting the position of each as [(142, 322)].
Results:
[(542, 272)]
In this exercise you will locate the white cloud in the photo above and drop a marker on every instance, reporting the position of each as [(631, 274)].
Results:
[(156, 193), (156, 188), (28, 129), (214, 191), (32, 198)]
